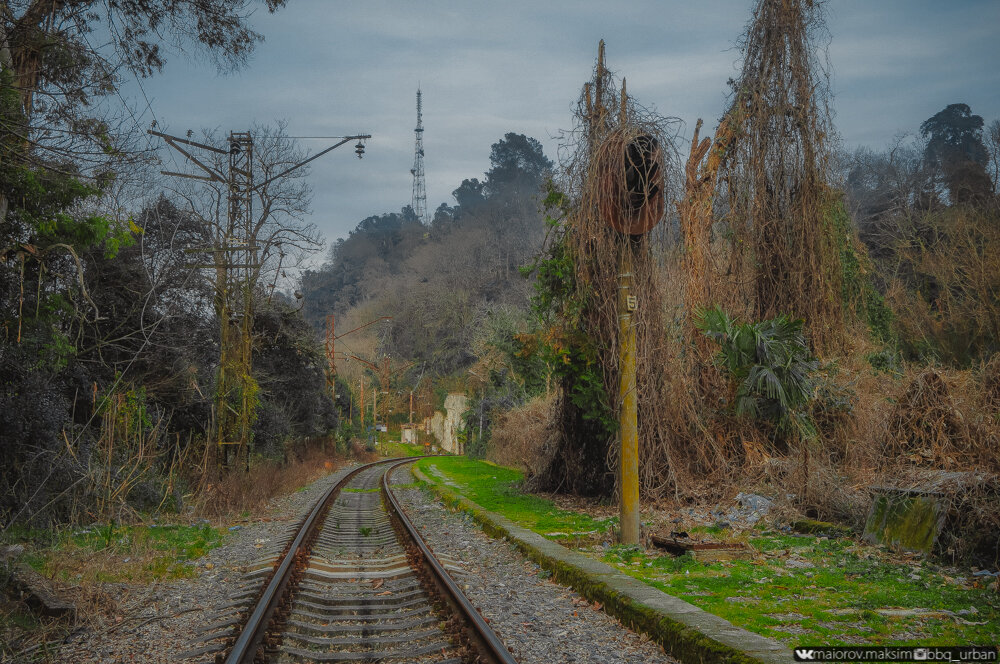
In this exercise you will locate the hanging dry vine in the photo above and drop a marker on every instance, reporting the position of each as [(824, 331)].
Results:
[(764, 176), (784, 258), (616, 159), (696, 216)]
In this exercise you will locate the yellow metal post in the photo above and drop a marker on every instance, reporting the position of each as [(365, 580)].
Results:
[(628, 415)]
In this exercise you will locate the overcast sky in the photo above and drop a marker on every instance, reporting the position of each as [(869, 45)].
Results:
[(487, 68)]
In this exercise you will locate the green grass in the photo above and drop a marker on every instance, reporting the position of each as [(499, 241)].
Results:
[(116, 553), (836, 601), (395, 448), (498, 489)]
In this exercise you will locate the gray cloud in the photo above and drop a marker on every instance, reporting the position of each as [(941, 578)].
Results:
[(487, 68)]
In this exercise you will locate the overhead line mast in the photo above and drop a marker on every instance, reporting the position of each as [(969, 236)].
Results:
[(419, 202), (237, 264)]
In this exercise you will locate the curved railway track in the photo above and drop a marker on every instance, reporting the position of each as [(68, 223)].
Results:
[(357, 583)]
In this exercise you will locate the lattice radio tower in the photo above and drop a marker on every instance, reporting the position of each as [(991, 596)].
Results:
[(419, 202)]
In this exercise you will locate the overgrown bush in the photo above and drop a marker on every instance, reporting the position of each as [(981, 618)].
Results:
[(925, 427), (525, 437), (770, 368), (947, 289)]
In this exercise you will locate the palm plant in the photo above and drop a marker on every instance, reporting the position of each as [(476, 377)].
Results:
[(770, 364)]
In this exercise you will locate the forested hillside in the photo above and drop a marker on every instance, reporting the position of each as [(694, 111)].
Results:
[(439, 282)]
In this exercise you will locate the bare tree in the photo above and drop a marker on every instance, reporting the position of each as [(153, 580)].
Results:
[(279, 228), (64, 61)]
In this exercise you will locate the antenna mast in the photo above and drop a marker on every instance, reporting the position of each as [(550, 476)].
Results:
[(419, 201)]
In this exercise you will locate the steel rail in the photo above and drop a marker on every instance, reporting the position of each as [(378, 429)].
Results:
[(251, 638), (482, 635)]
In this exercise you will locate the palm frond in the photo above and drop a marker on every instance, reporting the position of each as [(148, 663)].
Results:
[(769, 362)]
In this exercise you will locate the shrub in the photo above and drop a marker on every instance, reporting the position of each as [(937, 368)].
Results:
[(770, 366), (524, 437)]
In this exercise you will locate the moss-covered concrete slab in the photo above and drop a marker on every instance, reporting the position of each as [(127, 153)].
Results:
[(904, 520), (687, 632)]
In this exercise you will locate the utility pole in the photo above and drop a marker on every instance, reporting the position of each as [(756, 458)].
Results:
[(234, 259), (628, 420), (331, 343), (331, 375), (639, 175), (383, 372), (419, 200), (237, 265), (236, 378)]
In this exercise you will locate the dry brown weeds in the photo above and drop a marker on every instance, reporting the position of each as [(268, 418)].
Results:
[(991, 387), (523, 437), (773, 252), (925, 427), (239, 492)]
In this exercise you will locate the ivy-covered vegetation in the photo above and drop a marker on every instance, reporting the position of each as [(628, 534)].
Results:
[(109, 337)]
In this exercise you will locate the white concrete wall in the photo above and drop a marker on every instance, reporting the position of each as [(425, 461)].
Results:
[(445, 426)]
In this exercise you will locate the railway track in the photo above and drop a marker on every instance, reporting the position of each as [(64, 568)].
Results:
[(356, 583)]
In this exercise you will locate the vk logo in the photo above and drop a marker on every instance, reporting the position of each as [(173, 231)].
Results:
[(803, 655)]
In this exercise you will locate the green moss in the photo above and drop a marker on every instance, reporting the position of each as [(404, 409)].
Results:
[(497, 489), (904, 522), (838, 598), (813, 527)]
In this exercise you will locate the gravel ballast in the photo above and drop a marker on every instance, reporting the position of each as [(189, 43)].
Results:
[(162, 621), (541, 622)]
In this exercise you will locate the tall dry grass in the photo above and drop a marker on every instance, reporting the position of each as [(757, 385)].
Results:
[(945, 285), (525, 437), (247, 493)]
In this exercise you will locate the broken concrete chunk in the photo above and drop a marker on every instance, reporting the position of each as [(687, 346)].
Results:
[(39, 593), (752, 508)]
